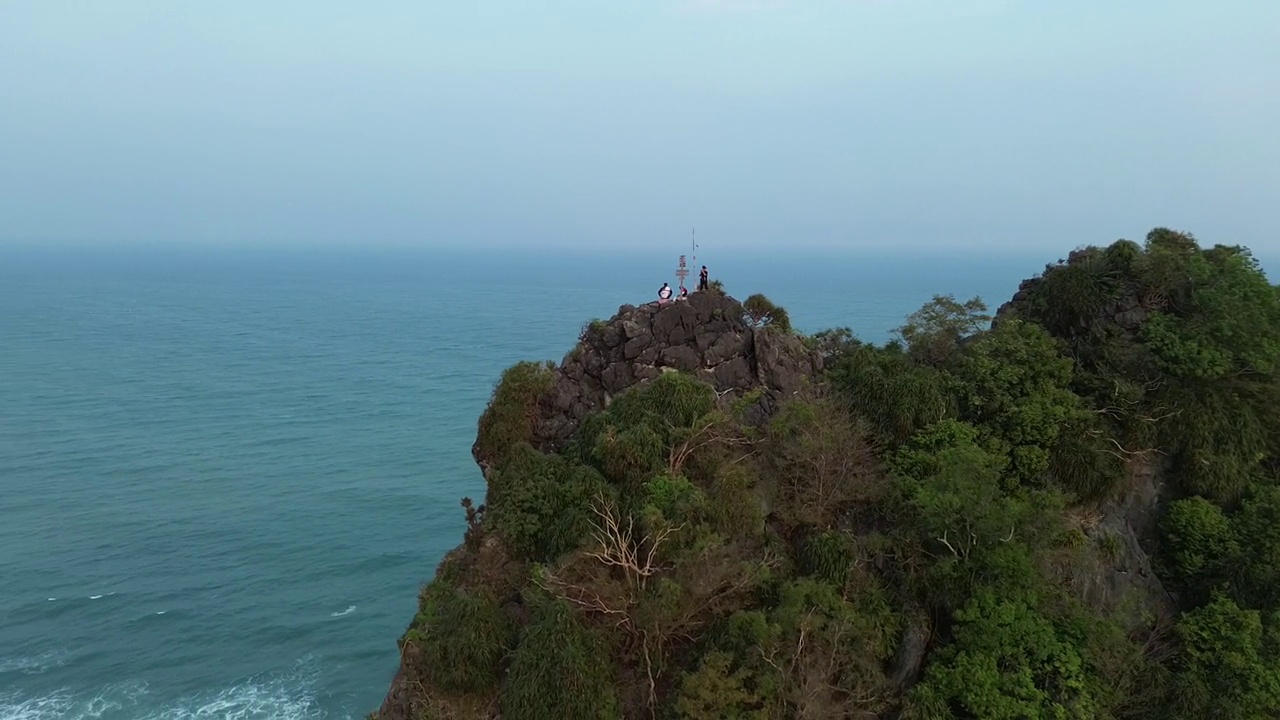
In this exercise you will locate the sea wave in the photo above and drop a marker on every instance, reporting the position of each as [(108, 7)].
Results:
[(290, 696), (34, 664)]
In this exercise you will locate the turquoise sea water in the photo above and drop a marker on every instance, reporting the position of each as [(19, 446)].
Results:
[(224, 475)]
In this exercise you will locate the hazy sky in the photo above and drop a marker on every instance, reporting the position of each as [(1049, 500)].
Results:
[(763, 123)]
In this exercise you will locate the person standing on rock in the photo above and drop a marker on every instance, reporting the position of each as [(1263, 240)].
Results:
[(664, 294), (702, 279)]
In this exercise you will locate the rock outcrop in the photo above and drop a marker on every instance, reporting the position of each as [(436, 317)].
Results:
[(1126, 536), (1125, 310), (706, 336), (1124, 528)]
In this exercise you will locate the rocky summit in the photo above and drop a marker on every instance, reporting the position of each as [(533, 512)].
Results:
[(708, 335)]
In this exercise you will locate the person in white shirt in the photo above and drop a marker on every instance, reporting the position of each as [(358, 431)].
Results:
[(664, 294)]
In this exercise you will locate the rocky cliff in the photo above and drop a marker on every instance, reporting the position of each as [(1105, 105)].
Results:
[(709, 336), (689, 516), (1125, 523)]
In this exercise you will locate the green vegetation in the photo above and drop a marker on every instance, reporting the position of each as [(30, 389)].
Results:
[(508, 420), (761, 312), (679, 560)]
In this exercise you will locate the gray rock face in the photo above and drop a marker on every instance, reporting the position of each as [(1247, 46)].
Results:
[(1127, 582), (705, 335)]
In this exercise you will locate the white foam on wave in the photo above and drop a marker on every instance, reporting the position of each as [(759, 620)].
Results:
[(35, 664), (276, 697), (65, 705), (350, 609)]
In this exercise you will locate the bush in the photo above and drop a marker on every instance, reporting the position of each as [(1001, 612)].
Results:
[(1072, 297), (761, 312), (1201, 542), (1229, 666), (1007, 662), (1256, 579), (715, 691), (734, 505), (897, 396), (677, 500), (508, 419), (560, 669), (464, 637), (815, 653), (633, 438), (670, 402), (541, 504), (975, 534), (828, 556), (1083, 462)]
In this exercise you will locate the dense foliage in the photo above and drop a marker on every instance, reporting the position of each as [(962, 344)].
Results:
[(934, 530)]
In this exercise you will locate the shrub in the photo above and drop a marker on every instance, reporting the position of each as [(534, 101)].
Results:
[(897, 396), (832, 344), (828, 556), (560, 669), (715, 691), (1123, 256), (1201, 541), (734, 506), (541, 504), (761, 312), (509, 417), (633, 438), (1071, 297), (1256, 579), (1228, 663), (671, 401), (464, 636), (815, 653), (975, 532), (1007, 662), (676, 499), (1083, 461)]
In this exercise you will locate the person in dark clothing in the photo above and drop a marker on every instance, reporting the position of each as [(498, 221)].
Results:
[(702, 279)]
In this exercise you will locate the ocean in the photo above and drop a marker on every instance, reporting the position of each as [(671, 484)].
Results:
[(224, 474)]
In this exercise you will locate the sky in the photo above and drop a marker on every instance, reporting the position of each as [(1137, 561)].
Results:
[(853, 125)]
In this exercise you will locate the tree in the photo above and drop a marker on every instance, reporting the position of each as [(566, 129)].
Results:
[(1008, 662), (1013, 383), (761, 312), (933, 332)]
